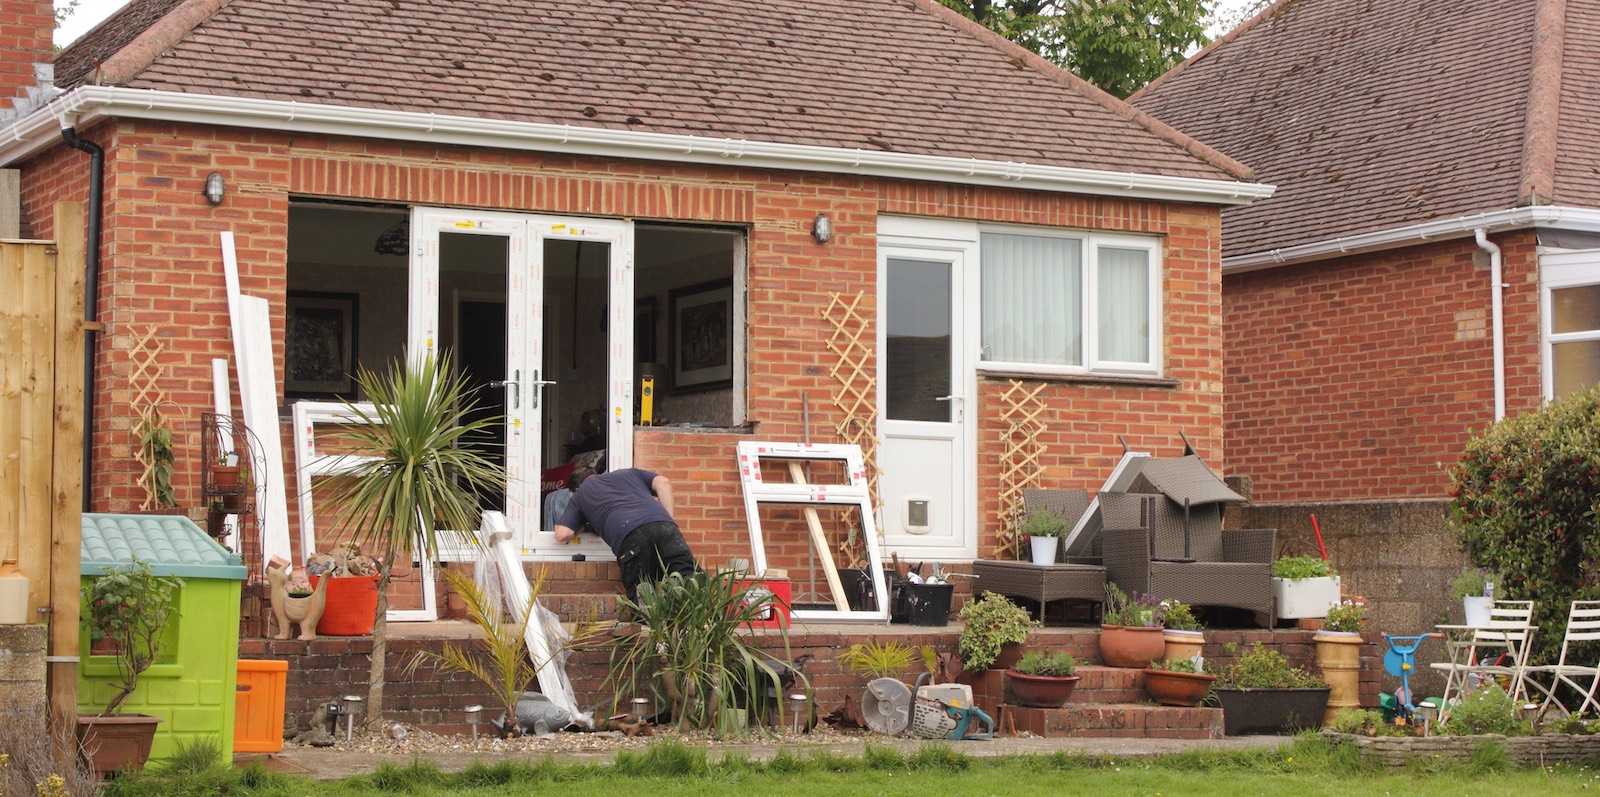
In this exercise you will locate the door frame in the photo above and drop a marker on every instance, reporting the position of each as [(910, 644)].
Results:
[(956, 243), (526, 234)]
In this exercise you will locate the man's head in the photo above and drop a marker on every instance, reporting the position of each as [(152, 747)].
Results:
[(578, 476)]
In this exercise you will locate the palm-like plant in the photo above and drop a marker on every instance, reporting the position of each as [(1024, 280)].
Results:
[(423, 471), (502, 664)]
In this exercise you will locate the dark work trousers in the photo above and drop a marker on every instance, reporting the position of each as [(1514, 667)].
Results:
[(650, 552)]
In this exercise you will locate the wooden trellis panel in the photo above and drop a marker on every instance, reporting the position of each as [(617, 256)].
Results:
[(144, 378), (858, 388), (1020, 464)]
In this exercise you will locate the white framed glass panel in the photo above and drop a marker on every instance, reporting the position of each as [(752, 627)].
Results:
[(1032, 299), (1570, 301), (1124, 304), (917, 357)]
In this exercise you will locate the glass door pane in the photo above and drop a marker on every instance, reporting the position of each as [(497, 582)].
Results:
[(917, 322)]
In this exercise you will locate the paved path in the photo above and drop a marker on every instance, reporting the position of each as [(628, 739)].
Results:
[(331, 764)]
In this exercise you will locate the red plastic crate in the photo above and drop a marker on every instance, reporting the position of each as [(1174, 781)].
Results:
[(775, 602)]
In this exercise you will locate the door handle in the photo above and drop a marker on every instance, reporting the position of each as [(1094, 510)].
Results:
[(538, 387), (948, 398), (957, 402), (515, 383)]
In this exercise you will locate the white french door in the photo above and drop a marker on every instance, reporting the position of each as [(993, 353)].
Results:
[(926, 390), (478, 289)]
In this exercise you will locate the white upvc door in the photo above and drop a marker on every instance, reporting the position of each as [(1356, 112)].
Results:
[(927, 389), (509, 252)]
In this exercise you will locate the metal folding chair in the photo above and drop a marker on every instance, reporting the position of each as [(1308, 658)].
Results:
[(1510, 632), (1583, 625)]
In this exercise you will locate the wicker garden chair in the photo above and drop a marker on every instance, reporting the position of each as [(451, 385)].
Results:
[(1071, 578), (1169, 542)]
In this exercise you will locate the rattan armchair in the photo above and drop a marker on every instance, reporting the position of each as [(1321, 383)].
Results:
[(1170, 544), (1071, 578)]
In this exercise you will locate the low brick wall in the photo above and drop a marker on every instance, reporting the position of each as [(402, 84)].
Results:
[(327, 668), (1394, 752)]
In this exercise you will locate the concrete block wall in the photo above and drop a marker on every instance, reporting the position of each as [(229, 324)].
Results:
[(22, 678)]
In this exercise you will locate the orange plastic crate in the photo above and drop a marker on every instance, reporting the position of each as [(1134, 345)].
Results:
[(258, 711), (775, 603)]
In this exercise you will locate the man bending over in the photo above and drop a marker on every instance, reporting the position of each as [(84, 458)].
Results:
[(632, 511)]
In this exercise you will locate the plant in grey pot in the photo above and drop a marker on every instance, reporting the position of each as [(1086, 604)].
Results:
[(1261, 692)]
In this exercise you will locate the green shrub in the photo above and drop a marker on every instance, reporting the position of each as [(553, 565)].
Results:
[(1471, 582), (876, 659), (1044, 523), (1175, 665), (989, 623), (1345, 616), (1527, 504), (1177, 616), (1485, 710), (1260, 668), (1037, 662), (1301, 567)]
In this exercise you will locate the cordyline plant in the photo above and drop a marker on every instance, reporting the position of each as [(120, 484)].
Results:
[(1526, 504), (424, 466)]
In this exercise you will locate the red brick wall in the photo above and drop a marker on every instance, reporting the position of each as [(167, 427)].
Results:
[(26, 27), (1361, 377), (162, 267)]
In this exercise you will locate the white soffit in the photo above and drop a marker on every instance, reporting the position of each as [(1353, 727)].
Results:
[(1567, 218), (87, 104)]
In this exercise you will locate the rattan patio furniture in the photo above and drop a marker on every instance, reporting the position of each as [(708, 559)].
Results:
[(1071, 578), (1168, 541)]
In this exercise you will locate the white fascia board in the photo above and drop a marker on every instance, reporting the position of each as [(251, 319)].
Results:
[(1567, 218), (86, 104)]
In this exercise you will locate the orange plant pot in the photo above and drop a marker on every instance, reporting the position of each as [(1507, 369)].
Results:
[(352, 605)]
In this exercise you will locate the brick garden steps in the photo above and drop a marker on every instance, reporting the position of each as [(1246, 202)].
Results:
[(1108, 720)]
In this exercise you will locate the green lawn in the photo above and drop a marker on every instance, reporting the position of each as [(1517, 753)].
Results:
[(1307, 768)]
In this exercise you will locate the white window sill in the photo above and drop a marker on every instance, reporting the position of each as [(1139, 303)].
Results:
[(1132, 380)]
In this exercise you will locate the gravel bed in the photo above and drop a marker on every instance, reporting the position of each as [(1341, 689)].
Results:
[(418, 742)]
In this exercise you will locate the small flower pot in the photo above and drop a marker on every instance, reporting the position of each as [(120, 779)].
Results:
[(117, 742), (1476, 610), (1182, 644), (1044, 549), (1177, 688), (352, 605), (1040, 691)]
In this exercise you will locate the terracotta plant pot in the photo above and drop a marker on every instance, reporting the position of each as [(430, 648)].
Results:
[(116, 743), (1040, 691), (1131, 646), (352, 605), (1177, 688), (1182, 644), (225, 475), (1339, 657)]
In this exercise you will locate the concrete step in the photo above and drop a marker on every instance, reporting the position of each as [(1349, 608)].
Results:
[(1104, 720)]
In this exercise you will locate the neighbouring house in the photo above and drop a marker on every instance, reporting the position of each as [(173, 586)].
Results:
[(1429, 263), (798, 219)]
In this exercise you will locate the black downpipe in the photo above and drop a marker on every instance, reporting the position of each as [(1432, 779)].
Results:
[(91, 303)]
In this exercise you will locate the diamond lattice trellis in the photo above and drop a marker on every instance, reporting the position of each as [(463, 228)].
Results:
[(1020, 466), (857, 391)]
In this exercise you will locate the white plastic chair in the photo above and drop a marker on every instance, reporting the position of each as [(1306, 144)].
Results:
[(1583, 625)]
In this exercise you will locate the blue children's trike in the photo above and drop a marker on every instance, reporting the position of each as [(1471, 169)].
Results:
[(1400, 661)]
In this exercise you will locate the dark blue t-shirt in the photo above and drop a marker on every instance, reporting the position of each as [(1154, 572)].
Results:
[(615, 503)]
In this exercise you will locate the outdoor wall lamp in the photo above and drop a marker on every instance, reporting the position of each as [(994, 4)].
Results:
[(822, 228), (215, 190)]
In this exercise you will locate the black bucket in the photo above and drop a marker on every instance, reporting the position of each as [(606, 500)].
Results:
[(928, 604)]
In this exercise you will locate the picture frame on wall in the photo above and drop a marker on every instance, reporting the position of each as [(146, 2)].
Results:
[(320, 340), (644, 330), (700, 327)]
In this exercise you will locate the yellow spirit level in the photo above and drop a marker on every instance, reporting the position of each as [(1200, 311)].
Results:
[(647, 400)]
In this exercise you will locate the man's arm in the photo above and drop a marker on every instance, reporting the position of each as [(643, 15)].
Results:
[(662, 487), (564, 534)]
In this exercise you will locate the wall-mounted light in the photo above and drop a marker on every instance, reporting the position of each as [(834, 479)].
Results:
[(822, 228), (214, 188)]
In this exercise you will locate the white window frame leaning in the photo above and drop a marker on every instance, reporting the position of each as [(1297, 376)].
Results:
[(1089, 312), (1558, 271)]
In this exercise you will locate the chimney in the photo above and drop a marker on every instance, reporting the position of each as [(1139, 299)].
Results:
[(26, 28)]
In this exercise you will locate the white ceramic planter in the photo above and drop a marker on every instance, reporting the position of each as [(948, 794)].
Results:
[(1477, 609), (1305, 597), (1044, 549)]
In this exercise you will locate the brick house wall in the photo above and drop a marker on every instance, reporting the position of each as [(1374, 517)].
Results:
[(162, 267), (1363, 377)]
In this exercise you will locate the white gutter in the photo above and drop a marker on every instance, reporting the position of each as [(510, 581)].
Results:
[(1567, 218), (1496, 288), (86, 104)]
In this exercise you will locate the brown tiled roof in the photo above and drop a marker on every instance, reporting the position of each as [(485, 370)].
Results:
[(1375, 115), (888, 75)]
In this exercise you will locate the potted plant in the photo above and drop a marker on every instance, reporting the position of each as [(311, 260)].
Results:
[(1474, 587), (1303, 587), (1177, 682), (876, 659), (1182, 635), (1043, 680), (1261, 692), (1130, 629), (1045, 528), (1339, 655), (990, 624), (125, 611)]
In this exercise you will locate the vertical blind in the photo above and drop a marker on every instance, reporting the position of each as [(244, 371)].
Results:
[(1032, 299), (1124, 304)]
